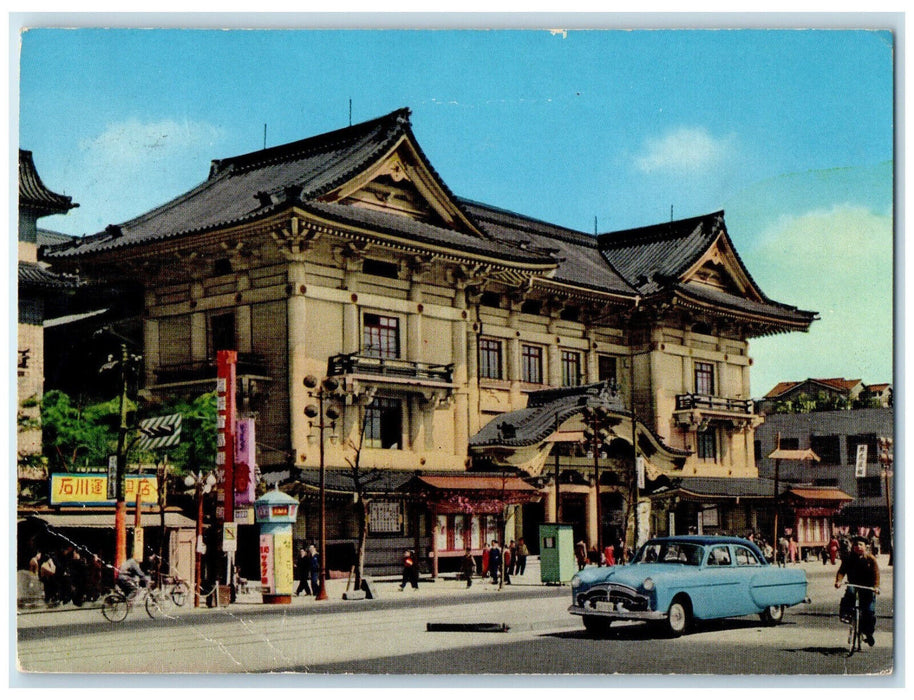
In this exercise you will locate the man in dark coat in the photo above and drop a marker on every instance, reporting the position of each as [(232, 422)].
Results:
[(861, 569)]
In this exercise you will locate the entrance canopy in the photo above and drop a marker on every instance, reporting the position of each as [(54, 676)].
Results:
[(471, 493), (525, 438)]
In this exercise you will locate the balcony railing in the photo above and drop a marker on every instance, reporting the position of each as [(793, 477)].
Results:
[(248, 364), (355, 363), (705, 402)]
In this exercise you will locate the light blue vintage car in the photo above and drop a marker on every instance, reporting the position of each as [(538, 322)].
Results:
[(675, 580)]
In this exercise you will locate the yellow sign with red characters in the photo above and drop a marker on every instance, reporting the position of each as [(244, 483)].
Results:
[(91, 489)]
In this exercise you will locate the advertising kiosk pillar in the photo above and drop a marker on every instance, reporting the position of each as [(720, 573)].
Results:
[(275, 513)]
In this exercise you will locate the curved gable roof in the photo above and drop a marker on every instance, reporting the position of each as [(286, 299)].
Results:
[(33, 194)]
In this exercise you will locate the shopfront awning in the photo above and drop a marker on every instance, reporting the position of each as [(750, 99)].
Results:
[(174, 521), (471, 493)]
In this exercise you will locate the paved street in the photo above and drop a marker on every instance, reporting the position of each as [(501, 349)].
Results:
[(389, 635)]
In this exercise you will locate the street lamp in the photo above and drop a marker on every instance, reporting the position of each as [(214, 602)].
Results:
[(322, 392), (202, 485)]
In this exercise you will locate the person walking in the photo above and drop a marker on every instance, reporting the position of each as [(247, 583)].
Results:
[(522, 553), (861, 569), (792, 551), (495, 561), (511, 558), (833, 547), (509, 564), (468, 567), (580, 554), (410, 571), (303, 571), (314, 569)]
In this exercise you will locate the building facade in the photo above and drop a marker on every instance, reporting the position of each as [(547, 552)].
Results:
[(346, 256), (835, 437)]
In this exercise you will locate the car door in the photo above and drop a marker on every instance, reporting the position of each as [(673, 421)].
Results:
[(723, 584), (748, 568)]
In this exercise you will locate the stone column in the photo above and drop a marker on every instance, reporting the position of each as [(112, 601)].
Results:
[(297, 320), (460, 379)]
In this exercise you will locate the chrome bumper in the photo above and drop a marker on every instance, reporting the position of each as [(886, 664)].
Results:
[(618, 614)]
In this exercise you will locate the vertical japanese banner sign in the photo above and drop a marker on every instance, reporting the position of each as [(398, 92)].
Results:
[(225, 426), (282, 562), (245, 462), (267, 580)]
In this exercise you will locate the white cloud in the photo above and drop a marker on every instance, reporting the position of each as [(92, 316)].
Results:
[(838, 262), (684, 150), (133, 166), (134, 141)]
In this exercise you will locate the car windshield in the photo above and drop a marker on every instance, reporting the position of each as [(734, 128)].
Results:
[(670, 553)]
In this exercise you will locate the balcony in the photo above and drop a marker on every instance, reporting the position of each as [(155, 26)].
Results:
[(354, 363), (705, 402), (700, 410), (363, 374), (249, 365)]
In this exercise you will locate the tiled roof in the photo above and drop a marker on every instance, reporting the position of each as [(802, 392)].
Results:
[(581, 261), (720, 298), (34, 276), (652, 256), (838, 384), (253, 186), (32, 191)]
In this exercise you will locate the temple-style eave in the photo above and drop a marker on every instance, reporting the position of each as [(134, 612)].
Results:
[(445, 251), (574, 291), (777, 324)]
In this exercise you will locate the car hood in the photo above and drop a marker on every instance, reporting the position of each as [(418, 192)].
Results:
[(631, 574)]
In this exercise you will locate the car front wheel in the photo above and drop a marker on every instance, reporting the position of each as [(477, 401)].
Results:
[(678, 618), (772, 615)]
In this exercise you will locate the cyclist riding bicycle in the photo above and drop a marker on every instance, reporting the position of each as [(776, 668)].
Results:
[(130, 576), (861, 569)]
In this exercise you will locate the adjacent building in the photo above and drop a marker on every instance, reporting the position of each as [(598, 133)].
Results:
[(465, 340)]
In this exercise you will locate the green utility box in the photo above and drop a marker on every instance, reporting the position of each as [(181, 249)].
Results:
[(556, 553)]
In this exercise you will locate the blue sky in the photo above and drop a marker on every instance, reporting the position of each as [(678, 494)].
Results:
[(789, 131)]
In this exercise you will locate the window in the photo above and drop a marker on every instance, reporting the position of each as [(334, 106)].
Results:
[(868, 439), (492, 299), (381, 268), (745, 557), (827, 447), (719, 556), (381, 336), (790, 443), (869, 487), (758, 450), (571, 368), (704, 378), (707, 444), (222, 332), (606, 368), (490, 358), (384, 424), (531, 366), (531, 307), (385, 517)]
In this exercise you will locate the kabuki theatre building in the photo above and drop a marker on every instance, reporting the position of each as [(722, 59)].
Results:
[(471, 348)]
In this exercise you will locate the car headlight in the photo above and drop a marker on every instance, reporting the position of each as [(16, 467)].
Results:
[(648, 584), (575, 581)]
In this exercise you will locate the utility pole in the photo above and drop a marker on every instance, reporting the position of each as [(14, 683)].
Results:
[(120, 495)]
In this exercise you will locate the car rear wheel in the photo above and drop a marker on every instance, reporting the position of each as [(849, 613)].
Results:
[(772, 615), (597, 625), (679, 617)]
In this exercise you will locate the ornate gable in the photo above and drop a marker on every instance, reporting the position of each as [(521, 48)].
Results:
[(720, 268), (400, 182)]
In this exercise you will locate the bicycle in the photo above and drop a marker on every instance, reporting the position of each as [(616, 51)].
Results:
[(854, 636), (173, 585), (116, 605)]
